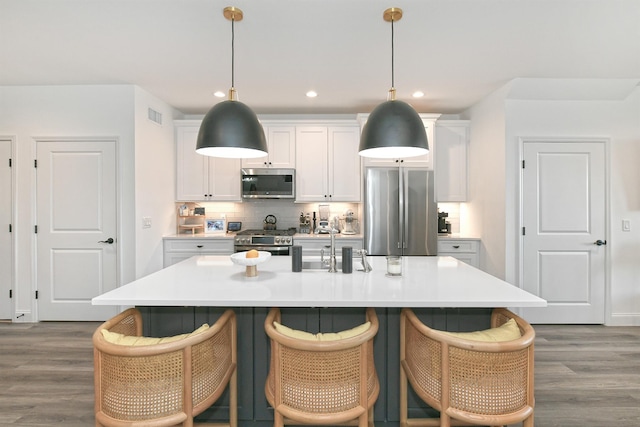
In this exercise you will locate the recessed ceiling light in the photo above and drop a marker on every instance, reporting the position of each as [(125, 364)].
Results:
[(312, 94), (219, 94), (418, 94)]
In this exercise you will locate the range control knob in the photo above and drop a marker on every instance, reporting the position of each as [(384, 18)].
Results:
[(288, 239), (277, 240)]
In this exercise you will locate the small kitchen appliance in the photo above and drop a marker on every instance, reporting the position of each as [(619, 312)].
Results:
[(349, 223), (277, 242), (323, 223), (444, 227)]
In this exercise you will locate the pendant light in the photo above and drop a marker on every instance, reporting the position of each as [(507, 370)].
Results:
[(230, 128), (393, 129)]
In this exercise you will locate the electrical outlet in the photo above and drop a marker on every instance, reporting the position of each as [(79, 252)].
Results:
[(146, 222), (626, 225)]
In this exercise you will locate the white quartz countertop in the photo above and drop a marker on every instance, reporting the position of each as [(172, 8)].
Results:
[(214, 281)]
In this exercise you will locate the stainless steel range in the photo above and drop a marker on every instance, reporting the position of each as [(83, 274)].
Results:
[(278, 242)]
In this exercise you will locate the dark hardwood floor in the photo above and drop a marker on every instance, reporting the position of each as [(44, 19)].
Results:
[(586, 376)]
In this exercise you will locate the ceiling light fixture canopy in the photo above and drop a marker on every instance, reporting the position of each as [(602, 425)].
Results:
[(393, 129), (230, 128)]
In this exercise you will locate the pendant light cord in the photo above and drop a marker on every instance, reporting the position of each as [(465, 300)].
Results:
[(232, 53), (393, 85)]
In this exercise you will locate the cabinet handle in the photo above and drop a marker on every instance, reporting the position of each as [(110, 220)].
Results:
[(199, 246), (456, 246)]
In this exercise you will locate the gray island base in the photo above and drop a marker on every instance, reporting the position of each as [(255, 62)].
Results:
[(445, 293)]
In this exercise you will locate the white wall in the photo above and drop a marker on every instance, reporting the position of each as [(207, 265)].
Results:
[(69, 111), (619, 121), (497, 125), (486, 213), (155, 178)]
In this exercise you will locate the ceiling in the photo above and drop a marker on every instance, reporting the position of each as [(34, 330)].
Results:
[(455, 51)]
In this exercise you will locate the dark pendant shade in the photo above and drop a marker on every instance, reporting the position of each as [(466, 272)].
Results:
[(393, 129), (231, 129)]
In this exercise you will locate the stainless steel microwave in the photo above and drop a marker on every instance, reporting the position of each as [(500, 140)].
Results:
[(268, 183)]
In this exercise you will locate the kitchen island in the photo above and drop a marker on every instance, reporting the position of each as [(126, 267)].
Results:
[(215, 281), (444, 292)]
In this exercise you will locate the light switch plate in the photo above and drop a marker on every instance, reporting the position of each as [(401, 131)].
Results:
[(146, 222), (626, 225)]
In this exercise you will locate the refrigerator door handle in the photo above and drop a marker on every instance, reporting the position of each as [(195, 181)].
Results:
[(401, 211)]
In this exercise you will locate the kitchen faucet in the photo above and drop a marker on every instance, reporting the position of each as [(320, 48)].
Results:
[(331, 262)]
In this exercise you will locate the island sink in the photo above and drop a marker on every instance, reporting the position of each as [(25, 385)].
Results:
[(317, 264)]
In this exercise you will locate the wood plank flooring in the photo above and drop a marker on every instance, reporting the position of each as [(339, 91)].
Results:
[(586, 376)]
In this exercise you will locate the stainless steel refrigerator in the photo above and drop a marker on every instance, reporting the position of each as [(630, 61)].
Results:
[(400, 212)]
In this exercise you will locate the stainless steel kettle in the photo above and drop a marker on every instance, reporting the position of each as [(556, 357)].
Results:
[(269, 222)]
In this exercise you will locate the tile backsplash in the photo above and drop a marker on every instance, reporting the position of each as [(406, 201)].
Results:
[(252, 213)]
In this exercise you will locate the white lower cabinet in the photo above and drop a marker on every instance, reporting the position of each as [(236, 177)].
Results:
[(465, 250), (313, 246), (180, 248)]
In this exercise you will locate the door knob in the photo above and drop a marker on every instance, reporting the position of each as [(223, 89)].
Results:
[(109, 241), (600, 242)]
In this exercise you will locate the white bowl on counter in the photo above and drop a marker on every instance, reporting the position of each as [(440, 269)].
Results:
[(240, 258)]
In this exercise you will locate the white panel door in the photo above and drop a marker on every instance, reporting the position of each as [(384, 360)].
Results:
[(564, 218), (77, 225), (6, 246)]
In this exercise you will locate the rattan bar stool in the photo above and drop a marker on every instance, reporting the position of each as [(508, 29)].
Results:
[(141, 382), (322, 382), (470, 381)]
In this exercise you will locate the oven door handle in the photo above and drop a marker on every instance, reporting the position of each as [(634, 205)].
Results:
[(262, 248)]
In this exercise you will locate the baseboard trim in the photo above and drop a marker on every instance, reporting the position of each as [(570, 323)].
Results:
[(624, 319)]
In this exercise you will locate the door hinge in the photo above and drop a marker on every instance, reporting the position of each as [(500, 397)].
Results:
[(523, 164), (9, 162), (35, 163), (10, 228), (35, 227), (36, 294), (10, 293), (524, 231)]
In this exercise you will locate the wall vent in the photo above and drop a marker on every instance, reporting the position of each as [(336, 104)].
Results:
[(155, 116)]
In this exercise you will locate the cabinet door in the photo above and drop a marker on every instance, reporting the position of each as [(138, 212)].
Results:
[(311, 164), (192, 181), (344, 164), (224, 179), (282, 146), (451, 161)]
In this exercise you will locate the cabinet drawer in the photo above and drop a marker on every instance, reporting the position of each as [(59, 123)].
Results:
[(204, 245), (454, 246)]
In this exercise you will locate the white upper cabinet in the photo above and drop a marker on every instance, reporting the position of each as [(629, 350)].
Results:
[(281, 142), (425, 161), (203, 178), (327, 163), (451, 160)]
